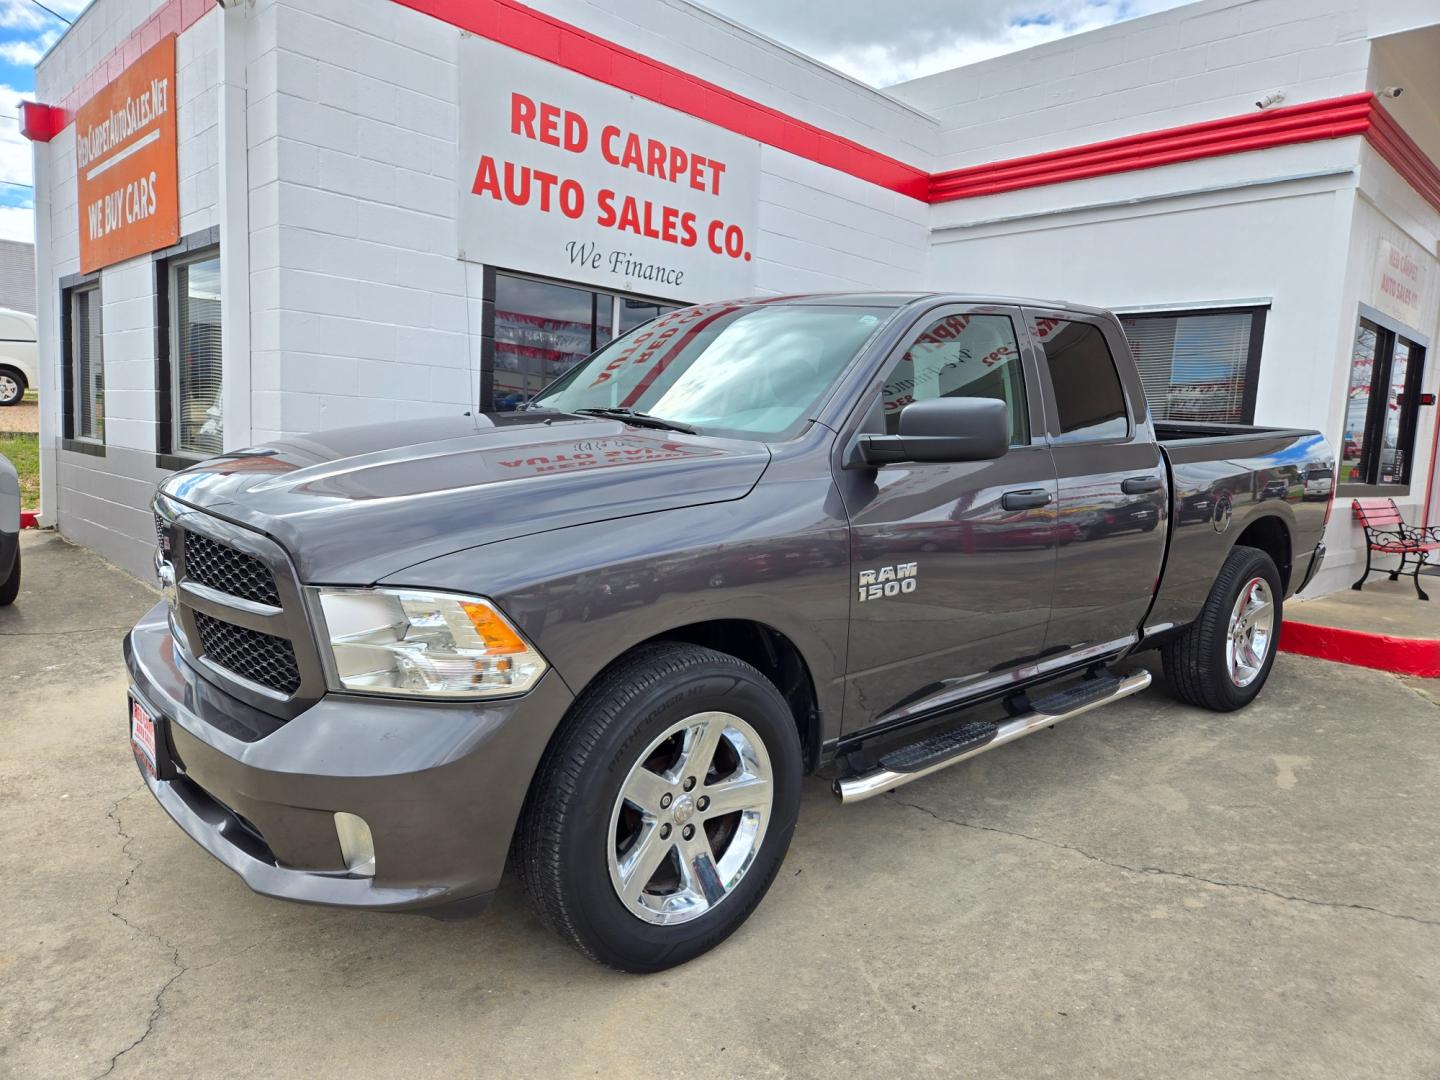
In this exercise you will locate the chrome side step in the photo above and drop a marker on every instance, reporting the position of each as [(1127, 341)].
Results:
[(969, 742)]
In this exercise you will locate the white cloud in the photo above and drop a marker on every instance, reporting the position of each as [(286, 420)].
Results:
[(867, 40), (29, 30), (16, 160), (22, 14), (27, 52), (17, 223)]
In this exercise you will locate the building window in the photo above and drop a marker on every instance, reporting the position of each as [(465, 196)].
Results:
[(1199, 365), (191, 371), (544, 328), (1088, 394), (84, 364), (1382, 404)]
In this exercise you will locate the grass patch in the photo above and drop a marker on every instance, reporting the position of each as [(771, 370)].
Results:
[(24, 453)]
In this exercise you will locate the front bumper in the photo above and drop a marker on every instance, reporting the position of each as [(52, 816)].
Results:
[(441, 785)]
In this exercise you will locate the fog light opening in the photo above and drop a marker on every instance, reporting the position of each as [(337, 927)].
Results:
[(357, 846)]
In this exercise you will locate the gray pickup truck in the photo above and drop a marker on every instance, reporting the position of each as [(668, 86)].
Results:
[(603, 638)]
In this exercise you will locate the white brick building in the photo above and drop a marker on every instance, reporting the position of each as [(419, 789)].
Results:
[(342, 257)]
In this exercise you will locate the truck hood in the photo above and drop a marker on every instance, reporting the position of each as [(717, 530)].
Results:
[(354, 505)]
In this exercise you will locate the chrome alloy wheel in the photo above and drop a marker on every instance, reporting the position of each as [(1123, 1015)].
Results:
[(1251, 633), (9, 388), (690, 818)]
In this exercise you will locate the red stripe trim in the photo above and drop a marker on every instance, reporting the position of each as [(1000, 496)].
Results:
[(534, 33), (546, 38), (1403, 154), (1404, 656), (1329, 119)]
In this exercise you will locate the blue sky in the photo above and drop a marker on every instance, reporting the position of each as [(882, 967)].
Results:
[(862, 38), (26, 31)]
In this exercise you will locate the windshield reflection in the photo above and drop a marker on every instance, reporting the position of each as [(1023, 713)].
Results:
[(747, 370)]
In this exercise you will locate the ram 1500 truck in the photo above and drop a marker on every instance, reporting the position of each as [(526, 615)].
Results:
[(603, 637)]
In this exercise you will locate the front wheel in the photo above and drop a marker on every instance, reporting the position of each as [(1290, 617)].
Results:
[(664, 808), (10, 587), (12, 386), (1223, 658)]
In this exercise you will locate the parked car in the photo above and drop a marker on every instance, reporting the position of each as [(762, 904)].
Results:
[(19, 357), (1275, 489), (9, 532), (1319, 483), (392, 658)]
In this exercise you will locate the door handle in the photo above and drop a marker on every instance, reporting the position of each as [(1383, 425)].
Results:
[(1029, 499), (1141, 485)]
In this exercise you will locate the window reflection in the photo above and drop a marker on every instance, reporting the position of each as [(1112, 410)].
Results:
[(1357, 406), (543, 329), (1381, 408)]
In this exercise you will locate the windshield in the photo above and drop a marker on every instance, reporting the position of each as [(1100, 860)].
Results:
[(746, 370)]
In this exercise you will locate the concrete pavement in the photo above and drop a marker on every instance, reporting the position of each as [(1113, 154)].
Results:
[(1148, 891), (23, 417)]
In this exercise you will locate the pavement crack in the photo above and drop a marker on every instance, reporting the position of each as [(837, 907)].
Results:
[(158, 1004), (1157, 871)]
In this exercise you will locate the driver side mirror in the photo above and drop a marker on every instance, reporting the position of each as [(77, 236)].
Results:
[(943, 429)]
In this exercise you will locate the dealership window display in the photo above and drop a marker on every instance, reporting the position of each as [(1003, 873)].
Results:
[(1382, 406), (544, 328), (1199, 365)]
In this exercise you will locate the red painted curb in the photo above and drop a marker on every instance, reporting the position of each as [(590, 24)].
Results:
[(29, 519), (1402, 656)]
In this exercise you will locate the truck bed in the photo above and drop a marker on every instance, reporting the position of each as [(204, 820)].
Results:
[(1226, 479)]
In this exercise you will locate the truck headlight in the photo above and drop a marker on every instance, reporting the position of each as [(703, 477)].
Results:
[(408, 642)]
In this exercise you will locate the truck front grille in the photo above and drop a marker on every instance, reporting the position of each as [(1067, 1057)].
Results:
[(222, 567), (239, 611), (261, 658)]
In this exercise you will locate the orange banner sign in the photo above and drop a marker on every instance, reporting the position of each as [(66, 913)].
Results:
[(125, 161)]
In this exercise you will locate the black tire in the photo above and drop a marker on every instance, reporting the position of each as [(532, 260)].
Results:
[(18, 380), (10, 587), (1195, 661), (564, 837)]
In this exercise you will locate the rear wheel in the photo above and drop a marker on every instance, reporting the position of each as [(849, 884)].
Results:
[(664, 809), (1222, 660)]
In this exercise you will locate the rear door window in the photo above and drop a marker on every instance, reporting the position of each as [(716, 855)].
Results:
[(1089, 399)]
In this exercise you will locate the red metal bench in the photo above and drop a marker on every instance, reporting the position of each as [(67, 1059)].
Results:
[(1387, 533)]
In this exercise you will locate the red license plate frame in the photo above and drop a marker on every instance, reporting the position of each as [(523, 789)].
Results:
[(144, 737)]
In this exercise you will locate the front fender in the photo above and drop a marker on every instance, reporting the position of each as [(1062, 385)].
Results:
[(586, 595)]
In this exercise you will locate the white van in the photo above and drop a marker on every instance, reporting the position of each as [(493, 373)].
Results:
[(19, 363)]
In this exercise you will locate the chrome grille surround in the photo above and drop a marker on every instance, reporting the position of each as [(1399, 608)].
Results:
[(240, 617), (229, 571), (261, 658)]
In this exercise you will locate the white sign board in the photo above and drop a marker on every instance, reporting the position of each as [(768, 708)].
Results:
[(566, 177), (1400, 285)]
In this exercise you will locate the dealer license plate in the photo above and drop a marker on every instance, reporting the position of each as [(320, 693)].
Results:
[(142, 736)]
